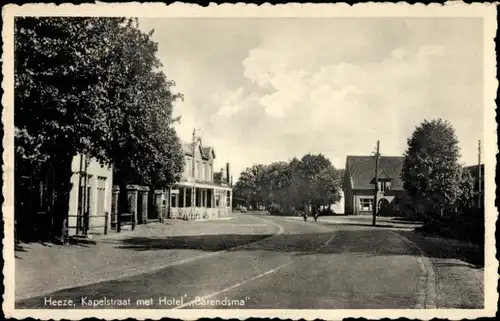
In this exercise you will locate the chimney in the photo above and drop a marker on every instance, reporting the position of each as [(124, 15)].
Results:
[(222, 174), (228, 173)]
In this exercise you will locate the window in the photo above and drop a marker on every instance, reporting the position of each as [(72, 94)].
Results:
[(228, 199), (202, 170), (173, 200), (101, 195), (198, 169), (384, 186), (207, 172), (85, 198), (366, 204), (211, 173)]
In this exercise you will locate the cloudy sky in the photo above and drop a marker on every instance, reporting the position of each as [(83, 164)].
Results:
[(263, 90)]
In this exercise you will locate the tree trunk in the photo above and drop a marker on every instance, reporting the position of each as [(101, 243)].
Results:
[(61, 166), (123, 205)]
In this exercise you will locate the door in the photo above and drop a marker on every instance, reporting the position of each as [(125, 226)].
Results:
[(155, 206), (383, 205)]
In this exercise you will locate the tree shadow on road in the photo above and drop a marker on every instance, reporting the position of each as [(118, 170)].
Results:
[(378, 225), (370, 242), (199, 242)]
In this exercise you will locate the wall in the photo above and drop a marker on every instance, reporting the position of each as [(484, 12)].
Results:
[(94, 170), (368, 194), (339, 207), (348, 193), (202, 172), (349, 202)]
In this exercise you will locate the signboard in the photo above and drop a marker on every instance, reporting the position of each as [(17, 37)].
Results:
[(175, 191)]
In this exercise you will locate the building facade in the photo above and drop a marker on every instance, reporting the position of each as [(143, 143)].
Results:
[(90, 196), (359, 185), (202, 192)]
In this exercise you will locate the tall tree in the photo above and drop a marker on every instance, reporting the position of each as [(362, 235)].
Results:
[(248, 187), (92, 86), (297, 183), (468, 194), (279, 180), (431, 173), (310, 169), (328, 185)]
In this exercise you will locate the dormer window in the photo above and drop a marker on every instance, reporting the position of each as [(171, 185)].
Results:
[(384, 186)]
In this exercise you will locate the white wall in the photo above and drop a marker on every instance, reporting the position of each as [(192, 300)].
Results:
[(339, 207), (95, 170)]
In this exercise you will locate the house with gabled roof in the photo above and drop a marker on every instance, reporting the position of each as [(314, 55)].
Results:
[(359, 184), (201, 192)]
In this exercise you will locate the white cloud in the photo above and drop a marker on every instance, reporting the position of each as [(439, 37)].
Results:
[(333, 86)]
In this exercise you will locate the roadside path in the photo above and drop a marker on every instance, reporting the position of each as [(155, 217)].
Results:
[(45, 268)]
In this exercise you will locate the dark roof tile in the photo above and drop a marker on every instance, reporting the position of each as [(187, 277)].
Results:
[(362, 170), (205, 151)]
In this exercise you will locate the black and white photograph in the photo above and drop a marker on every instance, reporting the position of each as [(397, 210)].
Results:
[(234, 161)]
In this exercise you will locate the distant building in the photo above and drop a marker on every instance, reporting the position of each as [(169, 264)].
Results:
[(474, 171), (212, 189), (359, 184)]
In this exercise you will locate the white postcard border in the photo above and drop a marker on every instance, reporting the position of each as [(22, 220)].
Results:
[(455, 9)]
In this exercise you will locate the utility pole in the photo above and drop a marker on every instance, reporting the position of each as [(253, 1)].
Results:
[(195, 141), (479, 201), (377, 156), (193, 168)]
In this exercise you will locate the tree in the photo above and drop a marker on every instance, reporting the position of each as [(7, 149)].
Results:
[(92, 86), (294, 184), (279, 175), (311, 169), (468, 194), (248, 187), (431, 173), (328, 186)]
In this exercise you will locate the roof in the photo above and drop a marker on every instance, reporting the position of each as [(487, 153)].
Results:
[(362, 170), (186, 148), (205, 150)]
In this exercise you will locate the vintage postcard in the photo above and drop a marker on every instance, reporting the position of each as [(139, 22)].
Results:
[(315, 161)]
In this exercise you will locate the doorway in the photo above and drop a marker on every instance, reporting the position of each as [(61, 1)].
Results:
[(382, 206)]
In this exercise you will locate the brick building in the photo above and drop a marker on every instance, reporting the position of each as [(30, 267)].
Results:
[(359, 184)]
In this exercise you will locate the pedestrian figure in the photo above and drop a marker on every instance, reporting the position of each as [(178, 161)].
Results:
[(305, 216)]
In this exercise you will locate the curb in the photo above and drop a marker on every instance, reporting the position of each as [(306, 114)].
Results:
[(77, 239), (426, 289)]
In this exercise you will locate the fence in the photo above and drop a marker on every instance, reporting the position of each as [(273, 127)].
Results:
[(83, 223), (121, 222)]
